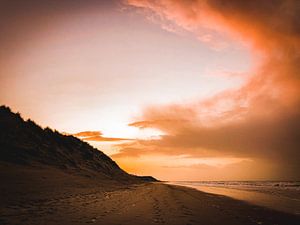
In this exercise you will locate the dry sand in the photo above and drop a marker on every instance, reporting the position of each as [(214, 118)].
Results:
[(55, 197)]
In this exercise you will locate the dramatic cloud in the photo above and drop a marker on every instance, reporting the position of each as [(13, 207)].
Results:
[(260, 119), (62, 54)]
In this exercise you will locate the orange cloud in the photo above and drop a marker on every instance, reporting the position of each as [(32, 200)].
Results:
[(96, 136), (100, 138), (88, 133), (261, 119)]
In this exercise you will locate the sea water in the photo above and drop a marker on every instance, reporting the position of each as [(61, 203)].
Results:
[(279, 195)]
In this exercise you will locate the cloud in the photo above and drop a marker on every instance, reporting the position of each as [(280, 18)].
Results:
[(232, 171), (185, 15), (100, 138), (88, 133), (260, 119), (130, 152), (97, 136)]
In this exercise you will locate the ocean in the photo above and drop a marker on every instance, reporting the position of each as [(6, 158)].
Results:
[(278, 195)]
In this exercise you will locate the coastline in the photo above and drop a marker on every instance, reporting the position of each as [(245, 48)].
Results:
[(277, 201), (146, 203)]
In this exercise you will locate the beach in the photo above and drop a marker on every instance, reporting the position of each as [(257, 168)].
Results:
[(69, 199), (278, 195), (149, 112)]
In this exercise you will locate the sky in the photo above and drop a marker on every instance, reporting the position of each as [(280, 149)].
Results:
[(176, 89)]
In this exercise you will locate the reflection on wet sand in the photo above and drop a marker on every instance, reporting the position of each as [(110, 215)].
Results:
[(277, 202)]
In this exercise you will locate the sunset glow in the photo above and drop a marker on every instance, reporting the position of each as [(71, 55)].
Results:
[(181, 90)]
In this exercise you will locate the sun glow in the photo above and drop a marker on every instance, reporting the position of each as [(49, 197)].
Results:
[(174, 89)]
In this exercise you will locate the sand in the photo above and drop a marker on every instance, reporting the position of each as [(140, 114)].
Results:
[(284, 200), (71, 199)]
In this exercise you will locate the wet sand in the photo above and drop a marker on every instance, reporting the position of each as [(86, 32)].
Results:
[(288, 204), (75, 201)]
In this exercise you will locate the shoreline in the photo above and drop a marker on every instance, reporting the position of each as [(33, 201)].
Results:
[(147, 203), (260, 198)]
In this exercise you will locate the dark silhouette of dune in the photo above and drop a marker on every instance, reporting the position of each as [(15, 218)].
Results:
[(27, 144)]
